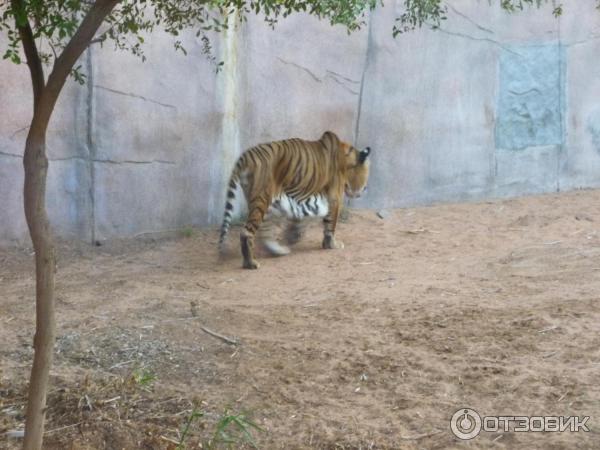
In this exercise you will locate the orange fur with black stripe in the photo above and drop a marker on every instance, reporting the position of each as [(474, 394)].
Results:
[(296, 179)]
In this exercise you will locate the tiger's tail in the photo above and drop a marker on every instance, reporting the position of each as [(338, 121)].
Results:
[(234, 181)]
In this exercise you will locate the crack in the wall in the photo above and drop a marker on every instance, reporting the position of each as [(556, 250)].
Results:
[(113, 161), (468, 19), (290, 63), (94, 160), (130, 94), (341, 83), (329, 75), (129, 161), (529, 91), (12, 155), (592, 38), (339, 75), (14, 134), (477, 39)]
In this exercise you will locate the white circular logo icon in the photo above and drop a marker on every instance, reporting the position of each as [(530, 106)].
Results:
[(465, 423)]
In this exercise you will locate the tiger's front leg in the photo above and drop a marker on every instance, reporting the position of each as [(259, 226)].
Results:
[(294, 231), (329, 225), (267, 234)]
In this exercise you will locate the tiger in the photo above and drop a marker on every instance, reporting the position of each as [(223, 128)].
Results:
[(294, 179)]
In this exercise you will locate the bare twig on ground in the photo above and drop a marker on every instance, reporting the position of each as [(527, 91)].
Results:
[(124, 363), (552, 243), (63, 428), (172, 441), (144, 233), (220, 336), (421, 230), (110, 400), (226, 339)]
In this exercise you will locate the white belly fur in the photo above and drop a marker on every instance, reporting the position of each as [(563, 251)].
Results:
[(315, 206)]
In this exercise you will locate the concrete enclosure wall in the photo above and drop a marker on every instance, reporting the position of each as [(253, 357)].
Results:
[(490, 105)]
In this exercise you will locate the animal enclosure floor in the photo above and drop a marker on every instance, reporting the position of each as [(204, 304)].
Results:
[(493, 306)]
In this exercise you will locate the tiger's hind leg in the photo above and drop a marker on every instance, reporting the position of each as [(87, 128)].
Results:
[(267, 234), (247, 243), (294, 231), (256, 211)]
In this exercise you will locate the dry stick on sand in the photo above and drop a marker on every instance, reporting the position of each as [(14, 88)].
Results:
[(420, 230), (226, 339), (63, 428), (194, 312), (220, 336), (172, 441)]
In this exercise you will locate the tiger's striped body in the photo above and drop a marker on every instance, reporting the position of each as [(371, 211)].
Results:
[(314, 206), (294, 179)]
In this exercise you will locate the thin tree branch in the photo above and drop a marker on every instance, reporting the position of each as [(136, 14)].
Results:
[(72, 51), (34, 61)]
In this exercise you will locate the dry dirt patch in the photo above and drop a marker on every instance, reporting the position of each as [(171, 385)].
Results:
[(491, 305)]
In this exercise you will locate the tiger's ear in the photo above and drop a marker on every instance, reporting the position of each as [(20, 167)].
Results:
[(363, 154), (330, 140)]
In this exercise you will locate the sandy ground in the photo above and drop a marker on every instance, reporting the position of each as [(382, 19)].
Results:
[(493, 306)]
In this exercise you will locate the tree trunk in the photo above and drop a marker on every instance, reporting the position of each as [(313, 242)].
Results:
[(35, 162), (36, 169)]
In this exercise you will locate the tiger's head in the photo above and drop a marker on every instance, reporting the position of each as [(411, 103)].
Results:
[(357, 169), (355, 163)]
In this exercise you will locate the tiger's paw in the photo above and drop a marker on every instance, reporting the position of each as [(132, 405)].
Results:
[(330, 243), (251, 265), (275, 248), (293, 234)]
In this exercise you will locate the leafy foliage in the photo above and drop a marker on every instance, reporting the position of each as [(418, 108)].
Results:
[(233, 430), (144, 378), (419, 12), (54, 22), (194, 415), (432, 12)]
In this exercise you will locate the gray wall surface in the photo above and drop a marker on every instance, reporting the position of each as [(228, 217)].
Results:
[(490, 105)]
